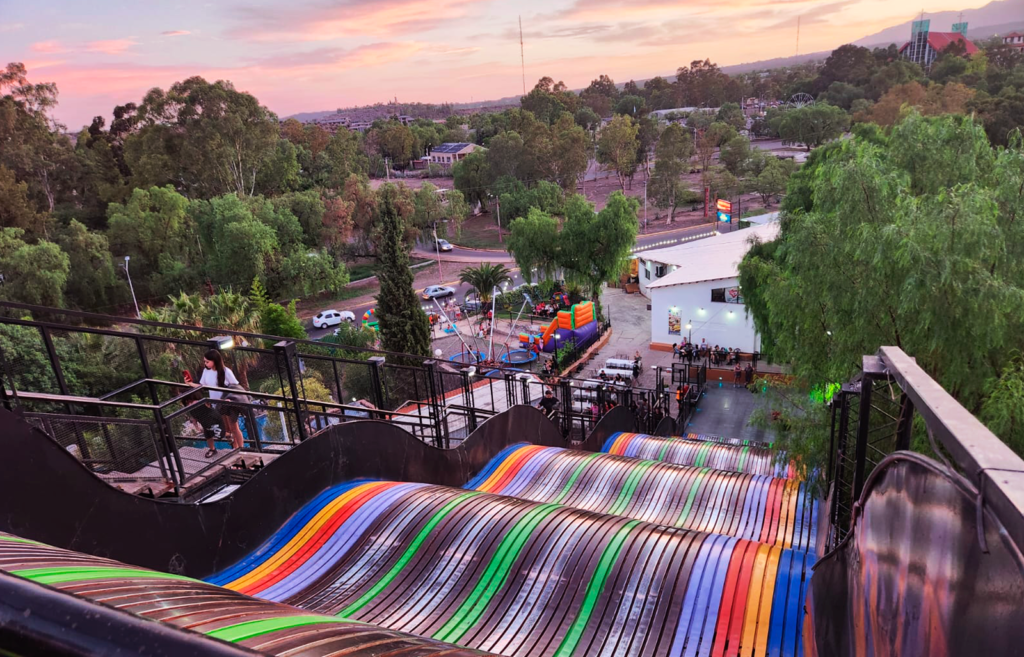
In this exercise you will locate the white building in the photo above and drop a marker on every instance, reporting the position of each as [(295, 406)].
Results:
[(697, 283)]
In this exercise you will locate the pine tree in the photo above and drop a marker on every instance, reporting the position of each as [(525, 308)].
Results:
[(403, 324)]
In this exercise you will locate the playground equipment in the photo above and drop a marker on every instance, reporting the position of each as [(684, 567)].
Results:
[(467, 357), (519, 357), (370, 320), (576, 324)]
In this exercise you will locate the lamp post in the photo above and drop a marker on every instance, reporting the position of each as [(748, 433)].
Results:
[(689, 331), (131, 287)]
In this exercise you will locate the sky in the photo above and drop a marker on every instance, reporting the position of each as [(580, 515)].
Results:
[(313, 55)]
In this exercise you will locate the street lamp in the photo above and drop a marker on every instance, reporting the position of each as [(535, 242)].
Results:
[(689, 331), (131, 287)]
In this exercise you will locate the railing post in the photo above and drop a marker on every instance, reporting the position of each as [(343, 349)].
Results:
[(287, 350), (905, 425), (377, 380), (863, 427), (467, 396), (432, 404)]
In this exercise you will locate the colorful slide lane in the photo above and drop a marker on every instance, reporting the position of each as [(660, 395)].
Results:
[(750, 459), (711, 438), (264, 627), (755, 507), (519, 578)]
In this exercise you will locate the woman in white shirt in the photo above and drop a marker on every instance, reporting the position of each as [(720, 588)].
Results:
[(216, 374)]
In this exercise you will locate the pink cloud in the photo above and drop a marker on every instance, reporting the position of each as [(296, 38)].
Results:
[(351, 17), (172, 33), (48, 47), (110, 47)]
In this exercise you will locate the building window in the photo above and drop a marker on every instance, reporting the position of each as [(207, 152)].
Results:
[(647, 269), (726, 295), (659, 271)]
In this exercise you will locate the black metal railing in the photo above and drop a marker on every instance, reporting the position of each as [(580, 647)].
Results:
[(873, 416)]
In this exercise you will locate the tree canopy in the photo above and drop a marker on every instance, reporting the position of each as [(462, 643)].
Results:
[(912, 239)]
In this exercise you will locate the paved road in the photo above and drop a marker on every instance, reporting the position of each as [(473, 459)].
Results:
[(454, 260)]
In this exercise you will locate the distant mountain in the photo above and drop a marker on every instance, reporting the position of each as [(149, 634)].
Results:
[(982, 23)]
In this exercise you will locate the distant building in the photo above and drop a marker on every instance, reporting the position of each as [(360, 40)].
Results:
[(1014, 40), (925, 46), (448, 154)]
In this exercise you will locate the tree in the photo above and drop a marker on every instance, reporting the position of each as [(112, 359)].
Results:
[(33, 273), (403, 324), (155, 228), (617, 147), (473, 177), (274, 318), (732, 114), (16, 211), (772, 179), (595, 247), (485, 279), (206, 138), (907, 241), (601, 95), (947, 68), (841, 95), (813, 125), (673, 153), (533, 242), (93, 284), (395, 142), (587, 119), (850, 64), (569, 152), (1002, 115), (457, 209), (734, 154), (631, 105)]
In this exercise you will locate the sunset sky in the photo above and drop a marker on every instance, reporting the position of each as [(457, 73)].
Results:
[(308, 55)]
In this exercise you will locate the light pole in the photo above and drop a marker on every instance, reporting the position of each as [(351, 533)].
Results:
[(497, 204), (131, 287), (437, 248), (689, 331)]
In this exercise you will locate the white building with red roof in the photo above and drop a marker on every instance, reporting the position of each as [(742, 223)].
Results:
[(1014, 40)]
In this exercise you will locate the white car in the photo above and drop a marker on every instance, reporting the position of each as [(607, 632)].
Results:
[(438, 291), (327, 318)]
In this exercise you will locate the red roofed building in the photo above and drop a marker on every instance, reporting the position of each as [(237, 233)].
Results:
[(1014, 40), (926, 51)]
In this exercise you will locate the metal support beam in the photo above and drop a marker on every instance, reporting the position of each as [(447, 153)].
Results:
[(286, 350)]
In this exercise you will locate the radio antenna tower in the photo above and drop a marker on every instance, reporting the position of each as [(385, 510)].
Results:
[(798, 35), (522, 56)]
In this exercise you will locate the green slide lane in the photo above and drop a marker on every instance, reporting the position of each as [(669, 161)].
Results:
[(407, 556), (743, 459), (694, 487), (594, 588), (575, 475), (249, 629), (18, 539), (495, 576), (62, 574), (664, 450), (627, 491)]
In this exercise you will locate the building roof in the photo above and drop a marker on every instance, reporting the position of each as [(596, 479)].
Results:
[(711, 259), (940, 40), (450, 147), (1012, 34)]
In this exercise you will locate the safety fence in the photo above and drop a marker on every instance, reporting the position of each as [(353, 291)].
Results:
[(115, 393)]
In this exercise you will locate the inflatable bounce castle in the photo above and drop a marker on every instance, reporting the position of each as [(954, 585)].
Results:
[(576, 324)]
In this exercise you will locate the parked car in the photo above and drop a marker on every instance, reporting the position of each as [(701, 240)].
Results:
[(443, 245), (326, 318), (472, 303), (438, 291)]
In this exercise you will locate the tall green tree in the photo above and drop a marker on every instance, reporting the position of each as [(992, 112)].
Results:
[(473, 178), (912, 240), (206, 138), (403, 324), (485, 279), (569, 152), (33, 273), (93, 283), (533, 242), (617, 147), (814, 125), (673, 153)]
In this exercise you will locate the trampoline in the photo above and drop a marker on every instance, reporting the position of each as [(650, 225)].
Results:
[(467, 357), (519, 357)]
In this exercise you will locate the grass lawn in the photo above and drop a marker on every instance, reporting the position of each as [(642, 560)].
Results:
[(479, 233)]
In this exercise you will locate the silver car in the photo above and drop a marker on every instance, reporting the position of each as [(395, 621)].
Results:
[(438, 291)]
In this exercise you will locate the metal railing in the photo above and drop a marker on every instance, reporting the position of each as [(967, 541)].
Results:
[(873, 416), (116, 399)]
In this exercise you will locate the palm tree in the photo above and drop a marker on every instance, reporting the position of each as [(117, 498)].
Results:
[(484, 279)]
